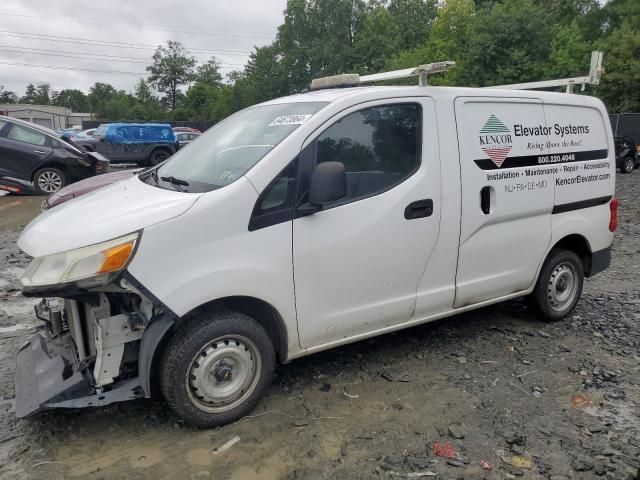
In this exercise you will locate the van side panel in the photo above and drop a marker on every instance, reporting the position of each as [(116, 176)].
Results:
[(507, 198), (582, 144)]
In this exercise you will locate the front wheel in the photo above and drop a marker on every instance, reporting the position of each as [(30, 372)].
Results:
[(216, 368), (559, 285), (628, 165), (158, 156), (48, 180)]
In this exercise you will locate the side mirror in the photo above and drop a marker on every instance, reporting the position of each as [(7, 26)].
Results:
[(328, 184)]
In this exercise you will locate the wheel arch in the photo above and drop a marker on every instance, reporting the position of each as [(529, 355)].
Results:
[(162, 329), (58, 165), (261, 311), (158, 148), (579, 245)]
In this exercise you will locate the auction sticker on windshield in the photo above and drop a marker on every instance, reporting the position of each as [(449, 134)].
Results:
[(290, 120)]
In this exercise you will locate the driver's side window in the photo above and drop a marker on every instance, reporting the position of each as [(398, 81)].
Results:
[(379, 147)]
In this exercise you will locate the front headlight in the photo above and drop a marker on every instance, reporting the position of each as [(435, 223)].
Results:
[(81, 263)]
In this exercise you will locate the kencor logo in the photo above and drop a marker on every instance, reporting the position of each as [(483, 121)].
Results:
[(495, 140)]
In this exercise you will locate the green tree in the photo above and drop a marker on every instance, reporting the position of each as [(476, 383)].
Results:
[(171, 69), (412, 21), (7, 96), (570, 52), (209, 73), (263, 78), (376, 42), (29, 95), (509, 44), (72, 98), (450, 39), (119, 108), (146, 105), (42, 96), (620, 85), (143, 92), (100, 94)]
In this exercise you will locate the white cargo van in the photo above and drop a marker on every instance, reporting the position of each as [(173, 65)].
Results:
[(308, 222)]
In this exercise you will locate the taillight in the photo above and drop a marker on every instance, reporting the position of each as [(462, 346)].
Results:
[(613, 219), (10, 189)]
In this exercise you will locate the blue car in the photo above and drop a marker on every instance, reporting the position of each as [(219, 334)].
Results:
[(140, 143)]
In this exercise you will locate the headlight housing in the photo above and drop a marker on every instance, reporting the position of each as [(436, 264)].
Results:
[(82, 263)]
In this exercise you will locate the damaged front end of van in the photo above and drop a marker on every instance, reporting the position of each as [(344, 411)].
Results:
[(100, 330)]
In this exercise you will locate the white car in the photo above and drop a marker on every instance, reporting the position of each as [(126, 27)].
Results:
[(86, 133), (308, 222)]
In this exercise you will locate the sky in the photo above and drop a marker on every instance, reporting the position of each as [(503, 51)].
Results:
[(112, 36)]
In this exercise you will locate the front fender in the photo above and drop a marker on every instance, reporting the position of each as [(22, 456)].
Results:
[(151, 339)]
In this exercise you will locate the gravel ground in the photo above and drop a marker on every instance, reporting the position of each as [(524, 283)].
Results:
[(497, 390)]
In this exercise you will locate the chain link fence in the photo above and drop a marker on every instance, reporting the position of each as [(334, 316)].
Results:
[(202, 126), (627, 124)]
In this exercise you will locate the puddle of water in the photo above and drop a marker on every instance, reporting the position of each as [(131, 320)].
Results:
[(81, 464), (17, 211), (16, 328)]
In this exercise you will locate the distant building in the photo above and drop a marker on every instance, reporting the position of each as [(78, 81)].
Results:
[(56, 118)]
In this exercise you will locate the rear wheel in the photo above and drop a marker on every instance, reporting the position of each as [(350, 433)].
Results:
[(559, 285), (48, 180), (628, 165), (158, 156), (216, 368)]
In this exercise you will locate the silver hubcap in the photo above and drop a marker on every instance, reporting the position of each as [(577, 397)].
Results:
[(628, 166), (562, 286), (223, 374), (49, 182)]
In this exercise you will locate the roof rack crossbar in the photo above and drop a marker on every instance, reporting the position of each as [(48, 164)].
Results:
[(595, 72), (353, 79)]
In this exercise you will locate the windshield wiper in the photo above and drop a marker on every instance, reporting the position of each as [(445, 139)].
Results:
[(177, 182)]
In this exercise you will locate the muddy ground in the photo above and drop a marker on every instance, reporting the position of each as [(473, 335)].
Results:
[(532, 400)]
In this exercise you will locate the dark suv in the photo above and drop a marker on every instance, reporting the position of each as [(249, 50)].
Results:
[(626, 154), (30, 153), (141, 143)]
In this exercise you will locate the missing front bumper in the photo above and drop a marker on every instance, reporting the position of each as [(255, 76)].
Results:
[(45, 374), (47, 377)]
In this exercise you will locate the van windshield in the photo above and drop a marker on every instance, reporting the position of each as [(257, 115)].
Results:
[(229, 149)]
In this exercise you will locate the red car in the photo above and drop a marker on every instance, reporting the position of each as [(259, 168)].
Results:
[(85, 186)]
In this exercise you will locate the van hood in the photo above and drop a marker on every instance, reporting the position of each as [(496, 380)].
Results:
[(102, 215)]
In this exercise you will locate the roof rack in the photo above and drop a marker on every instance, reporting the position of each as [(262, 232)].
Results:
[(423, 71), (353, 79), (595, 72)]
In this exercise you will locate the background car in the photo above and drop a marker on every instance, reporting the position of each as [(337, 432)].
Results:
[(86, 133), (184, 138), (186, 130), (34, 154), (140, 143), (85, 186), (626, 155)]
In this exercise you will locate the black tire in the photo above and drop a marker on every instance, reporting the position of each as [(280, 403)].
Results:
[(548, 295), (49, 180), (159, 155), (202, 344), (628, 165)]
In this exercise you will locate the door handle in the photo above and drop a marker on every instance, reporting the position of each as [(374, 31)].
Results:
[(38, 151), (419, 209), (485, 199)]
